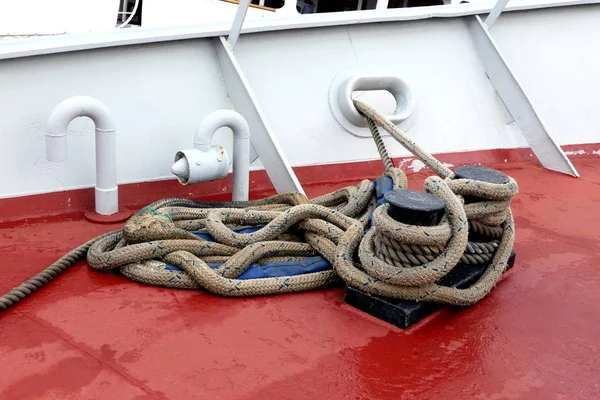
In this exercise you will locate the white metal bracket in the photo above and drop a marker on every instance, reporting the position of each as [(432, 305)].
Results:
[(263, 139), (516, 100)]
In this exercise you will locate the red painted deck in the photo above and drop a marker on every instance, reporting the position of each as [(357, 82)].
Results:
[(89, 335)]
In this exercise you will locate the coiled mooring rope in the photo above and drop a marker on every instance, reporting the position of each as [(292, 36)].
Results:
[(491, 214), (160, 245)]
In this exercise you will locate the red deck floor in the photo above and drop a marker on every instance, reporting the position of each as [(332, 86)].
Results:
[(89, 335)]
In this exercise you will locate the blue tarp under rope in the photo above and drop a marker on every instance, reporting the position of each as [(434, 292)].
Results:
[(277, 269)]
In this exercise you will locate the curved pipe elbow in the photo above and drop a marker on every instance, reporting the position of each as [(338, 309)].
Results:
[(191, 173), (65, 112), (107, 201), (219, 119), (78, 106)]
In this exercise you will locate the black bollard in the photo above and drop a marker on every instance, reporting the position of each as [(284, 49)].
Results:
[(415, 208), (479, 173), (423, 209), (404, 313)]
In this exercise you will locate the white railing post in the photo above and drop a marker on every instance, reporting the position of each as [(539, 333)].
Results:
[(238, 21), (495, 13), (382, 4)]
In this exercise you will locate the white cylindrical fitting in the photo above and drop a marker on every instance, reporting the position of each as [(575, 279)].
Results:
[(193, 165), (106, 159), (56, 148), (107, 202), (187, 171)]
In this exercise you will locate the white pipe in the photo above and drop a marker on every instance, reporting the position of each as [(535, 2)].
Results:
[(107, 200), (241, 146)]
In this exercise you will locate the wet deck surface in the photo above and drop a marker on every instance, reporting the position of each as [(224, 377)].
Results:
[(89, 335)]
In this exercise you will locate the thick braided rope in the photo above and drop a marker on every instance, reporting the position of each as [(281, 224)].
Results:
[(385, 157), (163, 233), (114, 238), (403, 139), (332, 225), (376, 277), (397, 277), (493, 205), (243, 249), (164, 228), (36, 282), (481, 229), (404, 255), (452, 234)]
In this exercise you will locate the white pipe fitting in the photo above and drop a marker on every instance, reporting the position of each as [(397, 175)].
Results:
[(193, 166), (107, 198), (206, 162)]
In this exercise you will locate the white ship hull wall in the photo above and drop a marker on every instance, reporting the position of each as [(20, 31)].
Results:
[(158, 93), (44, 17)]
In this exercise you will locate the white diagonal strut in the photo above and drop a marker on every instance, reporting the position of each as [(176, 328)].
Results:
[(495, 13), (263, 139), (516, 100), (238, 21)]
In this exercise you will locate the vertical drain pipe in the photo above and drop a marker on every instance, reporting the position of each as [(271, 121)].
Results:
[(106, 191)]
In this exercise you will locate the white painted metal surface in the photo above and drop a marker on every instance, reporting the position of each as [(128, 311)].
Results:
[(157, 106), (495, 13), (57, 16), (207, 162), (107, 197), (347, 82), (194, 166), (168, 85), (457, 109), (558, 68), (114, 38), (516, 100)]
